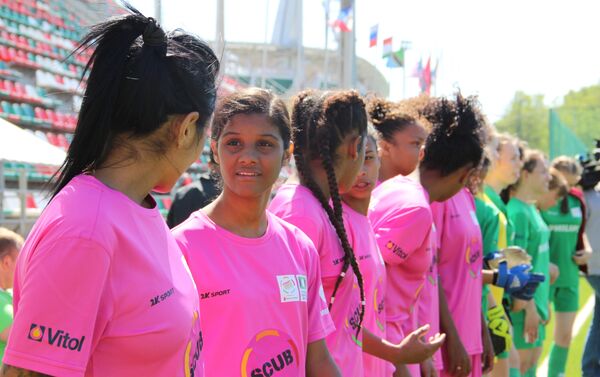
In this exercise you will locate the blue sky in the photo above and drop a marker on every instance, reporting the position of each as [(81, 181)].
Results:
[(487, 48)]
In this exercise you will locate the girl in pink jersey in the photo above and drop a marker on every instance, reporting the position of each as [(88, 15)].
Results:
[(401, 215), (258, 277), (329, 130), (362, 239), (101, 288), (329, 133)]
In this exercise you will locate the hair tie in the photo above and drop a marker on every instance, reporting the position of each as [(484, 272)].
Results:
[(154, 35)]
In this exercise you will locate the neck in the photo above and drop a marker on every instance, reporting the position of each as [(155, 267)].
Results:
[(524, 194), (494, 183), (428, 179), (359, 205), (5, 283), (134, 177), (386, 170), (244, 216), (320, 178)]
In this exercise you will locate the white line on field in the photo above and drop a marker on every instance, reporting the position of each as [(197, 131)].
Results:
[(582, 316)]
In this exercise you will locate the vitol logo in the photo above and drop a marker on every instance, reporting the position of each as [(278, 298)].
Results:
[(55, 337)]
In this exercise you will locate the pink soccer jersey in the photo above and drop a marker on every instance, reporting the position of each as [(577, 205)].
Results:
[(402, 220), (372, 268), (296, 204), (261, 298), (429, 304), (460, 264), (101, 289)]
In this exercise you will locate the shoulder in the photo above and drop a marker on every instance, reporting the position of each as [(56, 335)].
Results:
[(291, 235)]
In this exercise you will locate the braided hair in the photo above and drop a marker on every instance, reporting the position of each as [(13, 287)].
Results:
[(320, 121)]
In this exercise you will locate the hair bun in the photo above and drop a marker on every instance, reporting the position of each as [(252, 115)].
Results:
[(154, 35)]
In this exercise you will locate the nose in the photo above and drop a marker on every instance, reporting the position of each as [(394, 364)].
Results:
[(248, 156)]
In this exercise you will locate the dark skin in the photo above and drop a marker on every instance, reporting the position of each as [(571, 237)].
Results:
[(10, 371)]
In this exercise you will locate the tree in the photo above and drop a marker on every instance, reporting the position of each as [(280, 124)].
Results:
[(580, 111), (527, 117)]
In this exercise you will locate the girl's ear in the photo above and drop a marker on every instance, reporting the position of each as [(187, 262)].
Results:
[(287, 154), (185, 129)]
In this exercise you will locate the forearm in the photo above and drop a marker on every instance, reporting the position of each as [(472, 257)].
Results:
[(380, 348), (319, 361), (446, 322), (10, 371), (488, 276)]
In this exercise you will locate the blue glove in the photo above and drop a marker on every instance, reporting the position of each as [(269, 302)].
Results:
[(491, 256), (528, 290), (512, 280)]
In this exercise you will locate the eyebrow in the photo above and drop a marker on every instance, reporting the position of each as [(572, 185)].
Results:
[(228, 133)]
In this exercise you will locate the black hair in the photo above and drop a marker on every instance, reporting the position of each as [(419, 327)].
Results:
[(138, 76), (387, 118), (320, 121), (252, 101), (457, 136)]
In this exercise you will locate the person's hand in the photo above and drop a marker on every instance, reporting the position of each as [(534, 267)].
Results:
[(527, 292), (499, 328), (513, 279), (532, 324), (554, 272), (458, 361), (487, 359), (581, 257), (428, 369), (415, 349)]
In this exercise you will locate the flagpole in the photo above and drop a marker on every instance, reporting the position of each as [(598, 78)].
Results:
[(264, 51), (404, 45), (325, 76)]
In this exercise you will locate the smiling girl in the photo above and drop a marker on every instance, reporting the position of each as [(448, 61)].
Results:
[(258, 277)]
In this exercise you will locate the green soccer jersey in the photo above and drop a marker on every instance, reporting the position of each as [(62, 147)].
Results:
[(497, 200), (487, 216), (533, 235), (564, 230), (6, 316)]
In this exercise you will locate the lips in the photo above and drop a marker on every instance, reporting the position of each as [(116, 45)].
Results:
[(248, 173), (361, 185)]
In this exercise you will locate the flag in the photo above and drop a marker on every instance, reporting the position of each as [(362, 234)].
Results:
[(387, 47), (425, 78), (373, 36), (418, 69), (343, 22), (396, 59)]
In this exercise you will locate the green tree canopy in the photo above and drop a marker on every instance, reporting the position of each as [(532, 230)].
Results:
[(527, 117)]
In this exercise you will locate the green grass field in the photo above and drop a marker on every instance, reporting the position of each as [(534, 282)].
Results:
[(573, 368)]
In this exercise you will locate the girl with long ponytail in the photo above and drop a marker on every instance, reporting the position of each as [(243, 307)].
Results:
[(101, 288), (328, 133)]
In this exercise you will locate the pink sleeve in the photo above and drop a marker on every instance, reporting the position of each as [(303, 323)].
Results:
[(320, 323), (403, 233), (62, 306)]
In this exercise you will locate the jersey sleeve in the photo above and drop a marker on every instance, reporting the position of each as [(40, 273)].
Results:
[(320, 323), (403, 232), (489, 224), (62, 305)]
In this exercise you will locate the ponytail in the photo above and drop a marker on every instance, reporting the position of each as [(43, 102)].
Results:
[(320, 123), (138, 76)]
